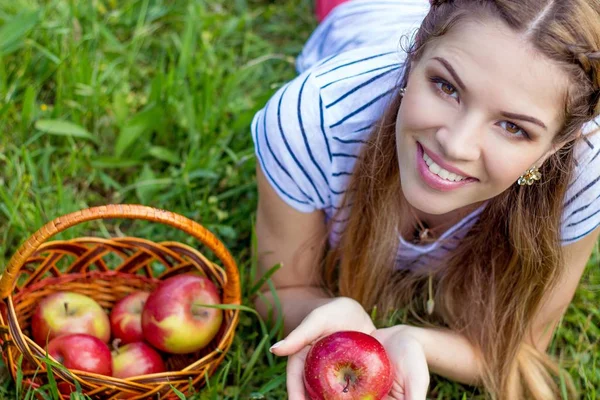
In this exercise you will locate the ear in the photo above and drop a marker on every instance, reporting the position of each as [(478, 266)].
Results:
[(554, 147)]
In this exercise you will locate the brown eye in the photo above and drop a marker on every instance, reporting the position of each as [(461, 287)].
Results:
[(512, 128), (447, 88), (444, 88)]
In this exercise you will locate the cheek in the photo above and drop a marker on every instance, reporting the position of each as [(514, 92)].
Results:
[(421, 110), (505, 165)]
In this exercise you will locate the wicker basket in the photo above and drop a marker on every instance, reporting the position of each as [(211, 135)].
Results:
[(86, 265)]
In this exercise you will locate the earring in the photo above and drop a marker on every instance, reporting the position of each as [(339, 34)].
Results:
[(530, 176), (402, 92)]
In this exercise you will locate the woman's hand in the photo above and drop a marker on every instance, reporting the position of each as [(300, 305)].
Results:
[(406, 354), (341, 314)]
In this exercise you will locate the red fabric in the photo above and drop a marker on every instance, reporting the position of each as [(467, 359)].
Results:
[(323, 7)]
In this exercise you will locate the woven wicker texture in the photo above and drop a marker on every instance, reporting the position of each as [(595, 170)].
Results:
[(108, 270)]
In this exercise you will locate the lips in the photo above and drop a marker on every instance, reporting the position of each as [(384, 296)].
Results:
[(439, 161), (441, 172), (436, 182)]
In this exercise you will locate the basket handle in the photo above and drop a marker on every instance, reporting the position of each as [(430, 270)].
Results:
[(231, 291)]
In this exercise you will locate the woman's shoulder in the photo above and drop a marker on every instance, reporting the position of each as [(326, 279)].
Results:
[(587, 152), (356, 86), (363, 24), (322, 114), (582, 201)]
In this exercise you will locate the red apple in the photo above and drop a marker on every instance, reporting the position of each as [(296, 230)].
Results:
[(82, 352), (135, 359), (347, 365), (66, 388), (126, 317), (174, 319), (61, 313)]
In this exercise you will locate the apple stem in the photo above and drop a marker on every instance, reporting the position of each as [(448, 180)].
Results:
[(199, 310), (115, 345), (347, 384), (66, 308)]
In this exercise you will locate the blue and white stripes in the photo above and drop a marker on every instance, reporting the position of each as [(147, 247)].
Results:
[(363, 23), (292, 146), (582, 201), (308, 136)]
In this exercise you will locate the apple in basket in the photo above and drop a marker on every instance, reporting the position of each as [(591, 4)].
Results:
[(347, 365), (135, 359), (174, 319), (126, 317), (82, 352), (67, 312)]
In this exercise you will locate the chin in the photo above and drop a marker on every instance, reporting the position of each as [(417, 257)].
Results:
[(426, 201), (430, 206)]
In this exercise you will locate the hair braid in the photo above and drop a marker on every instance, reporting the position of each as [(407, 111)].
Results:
[(436, 3), (590, 63)]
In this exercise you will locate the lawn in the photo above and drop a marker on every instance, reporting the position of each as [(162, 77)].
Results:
[(139, 101)]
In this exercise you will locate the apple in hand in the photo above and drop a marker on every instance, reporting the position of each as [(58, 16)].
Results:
[(347, 365), (67, 312), (174, 320), (135, 359), (126, 317), (82, 352)]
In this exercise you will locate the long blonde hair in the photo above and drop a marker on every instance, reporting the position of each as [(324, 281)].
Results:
[(492, 285)]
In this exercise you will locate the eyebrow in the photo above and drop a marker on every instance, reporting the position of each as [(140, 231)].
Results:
[(461, 84), (524, 118), (452, 72)]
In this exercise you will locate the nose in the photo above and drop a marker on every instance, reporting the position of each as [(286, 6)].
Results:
[(460, 139)]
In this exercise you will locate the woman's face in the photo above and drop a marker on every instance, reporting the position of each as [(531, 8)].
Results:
[(481, 107)]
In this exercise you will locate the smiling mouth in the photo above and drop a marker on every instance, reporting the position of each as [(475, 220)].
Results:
[(436, 177), (441, 172)]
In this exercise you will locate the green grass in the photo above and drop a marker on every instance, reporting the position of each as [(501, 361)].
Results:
[(159, 96)]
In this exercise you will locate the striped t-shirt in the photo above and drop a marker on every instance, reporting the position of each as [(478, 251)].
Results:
[(308, 136)]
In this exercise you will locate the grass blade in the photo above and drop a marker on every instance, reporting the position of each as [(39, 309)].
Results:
[(263, 279), (178, 393), (140, 124), (64, 128), (13, 32), (257, 352)]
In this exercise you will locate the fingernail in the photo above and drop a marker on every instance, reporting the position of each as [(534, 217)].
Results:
[(276, 345)]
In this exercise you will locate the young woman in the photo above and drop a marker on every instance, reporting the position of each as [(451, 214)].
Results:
[(454, 174)]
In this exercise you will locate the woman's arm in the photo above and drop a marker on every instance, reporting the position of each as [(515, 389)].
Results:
[(295, 240), (450, 354), (292, 238), (576, 257)]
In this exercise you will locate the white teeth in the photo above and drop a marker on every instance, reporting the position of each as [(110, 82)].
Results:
[(441, 172), (435, 168), (428, 160)]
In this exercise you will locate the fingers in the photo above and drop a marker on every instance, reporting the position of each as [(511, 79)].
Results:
[(411, 363), (384, 334), (340, 314), (417, 382), (337, 315), (295, 376), (311, 329)]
